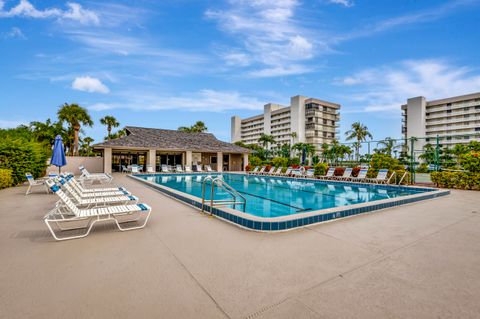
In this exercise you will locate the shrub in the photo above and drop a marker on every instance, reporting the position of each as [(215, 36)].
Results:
[(383, 161), (268, 167), (6, 179), (248, 168), (422, 168), (280, 161), (23, 156), (254, 161), (460, 180), (321, 169), (339, 171), (471, 161), (295, 161), (355, 171)]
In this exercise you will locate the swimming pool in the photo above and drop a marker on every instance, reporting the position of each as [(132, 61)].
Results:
[(277, 199)]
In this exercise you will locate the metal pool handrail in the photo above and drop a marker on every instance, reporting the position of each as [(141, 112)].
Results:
[(220, 183)]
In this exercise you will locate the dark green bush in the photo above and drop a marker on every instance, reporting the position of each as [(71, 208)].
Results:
[(460, 180), (254, 161), (294, 161), (321, 169), (280, 161), (23, 156), (6, 179)]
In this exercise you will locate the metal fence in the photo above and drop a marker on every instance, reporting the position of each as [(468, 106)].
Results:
[(417, 154)]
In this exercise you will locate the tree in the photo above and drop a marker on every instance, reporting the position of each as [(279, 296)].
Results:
[(389, 144), (358, 132), (110, 122), (266, 139), (118, 134), (198, 127), (45, 132), (294, 136), (306, 148), (75, 116), (86, 148)]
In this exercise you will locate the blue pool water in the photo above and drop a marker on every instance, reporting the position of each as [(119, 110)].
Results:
[(274, 197)]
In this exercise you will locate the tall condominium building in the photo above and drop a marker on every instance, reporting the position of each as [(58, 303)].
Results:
[(453, 119), (312, 120)]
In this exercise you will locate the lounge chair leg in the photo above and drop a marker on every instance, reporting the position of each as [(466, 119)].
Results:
[(47, 222), (132, 228)]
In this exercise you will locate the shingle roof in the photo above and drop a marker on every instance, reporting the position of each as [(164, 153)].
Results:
[(160, 139)]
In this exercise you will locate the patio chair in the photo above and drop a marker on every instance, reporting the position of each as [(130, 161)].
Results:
[(278, 172), (32, 183), (94, 177), (347, 174), (179, 168), (69, 182), (94, 201), (120, 190), (188, 169), (208, 168), (135, 169), (288, 172), (361, 177), (126, 169), (329, 175), (199, 168), (382, 177), (69, 216), (310, 173), (270, 172), (150, 169), (261, 171), (254, 170), (164, 168)]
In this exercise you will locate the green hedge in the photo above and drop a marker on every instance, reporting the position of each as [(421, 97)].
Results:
[(23, 156), (6, 179), (320, 169), (460, 180)]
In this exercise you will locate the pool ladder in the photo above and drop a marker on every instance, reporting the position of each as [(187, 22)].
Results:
[(237, 198)]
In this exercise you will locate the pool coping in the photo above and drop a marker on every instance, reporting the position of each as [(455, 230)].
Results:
[(288, 222)]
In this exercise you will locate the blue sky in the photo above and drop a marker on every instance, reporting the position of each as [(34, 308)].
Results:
[(169, 63)]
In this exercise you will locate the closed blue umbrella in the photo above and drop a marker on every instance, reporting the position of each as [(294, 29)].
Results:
[(58, 155)]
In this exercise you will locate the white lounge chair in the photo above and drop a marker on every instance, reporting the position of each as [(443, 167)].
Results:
[(69, 216), (97, 200), (287, 172), (329, 175), (208, 168), (278, 172), (165, 169), (179, 169), (71, 185), (150, 169), (261, 171), (254, 170), (347, 174), (361, 177), (32, 183), (270, 172), (120, 190), (188, 169), (199, 168), (382, 177), (134, 169), (95, 177), (310, 173)]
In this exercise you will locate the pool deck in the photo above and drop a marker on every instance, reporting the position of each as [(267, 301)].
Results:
[(419, 260)]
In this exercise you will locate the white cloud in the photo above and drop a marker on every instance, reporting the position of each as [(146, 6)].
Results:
[(268, 34), (89, 84), (74, 12), (14, 33), (345, 3), (385, 88), (203, 100)]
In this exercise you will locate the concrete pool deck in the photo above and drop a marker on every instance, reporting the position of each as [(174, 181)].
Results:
[(419, 260)]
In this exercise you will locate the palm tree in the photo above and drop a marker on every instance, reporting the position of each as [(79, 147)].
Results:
[(360, 133), (266, 139), (294, 136), (118, 134), (306, 148), (389, 144), (86, 147), (46, 132), (198, 127), (110, 122), (75, 116)]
